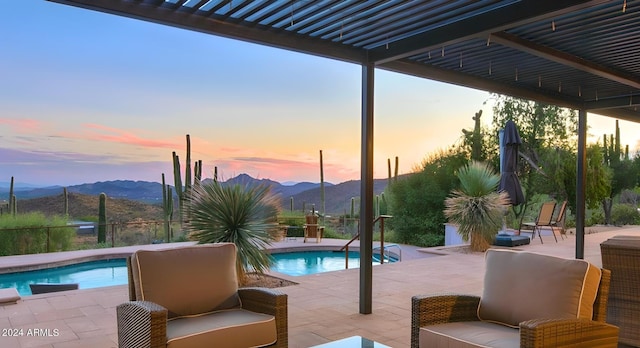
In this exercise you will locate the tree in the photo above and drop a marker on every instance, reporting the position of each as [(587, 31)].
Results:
[(621, 171), (416, 201), (239, 214), (476, 207)]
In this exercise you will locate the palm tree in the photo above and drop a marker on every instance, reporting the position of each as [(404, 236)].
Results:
[(239, 214), (477, 206)]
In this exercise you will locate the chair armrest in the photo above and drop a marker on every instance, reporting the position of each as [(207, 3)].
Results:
[(574, 333), (141, 324), (268, 301), (439, 309)]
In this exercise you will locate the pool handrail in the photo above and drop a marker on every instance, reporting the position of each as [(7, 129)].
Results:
[(380, 218)]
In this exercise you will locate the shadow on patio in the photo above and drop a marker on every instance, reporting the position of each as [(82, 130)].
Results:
[(322, 307)]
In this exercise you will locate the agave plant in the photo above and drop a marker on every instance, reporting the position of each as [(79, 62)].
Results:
[(239, 214), (477, 206)]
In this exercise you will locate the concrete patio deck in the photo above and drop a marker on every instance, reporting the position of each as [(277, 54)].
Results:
[(322, 307)]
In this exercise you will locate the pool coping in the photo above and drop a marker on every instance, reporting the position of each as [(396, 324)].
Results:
[(32, 262)]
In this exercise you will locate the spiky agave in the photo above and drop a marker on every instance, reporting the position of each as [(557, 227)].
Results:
[(477, 206), (235, 213)]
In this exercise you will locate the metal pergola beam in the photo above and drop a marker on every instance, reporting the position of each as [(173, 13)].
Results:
[(470, 81), (198, 21), (522, 12), (564, 58)]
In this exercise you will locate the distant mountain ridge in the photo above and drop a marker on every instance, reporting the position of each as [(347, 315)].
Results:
[(337, 197)]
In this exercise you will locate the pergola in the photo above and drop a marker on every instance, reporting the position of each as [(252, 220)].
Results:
[(583, 55)]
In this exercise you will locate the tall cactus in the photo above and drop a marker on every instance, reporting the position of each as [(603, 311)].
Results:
[(102, 219), (12, 200), (353, 207), (395, 174), (167, 208), (65, 195), (14, 205), (182, 188)]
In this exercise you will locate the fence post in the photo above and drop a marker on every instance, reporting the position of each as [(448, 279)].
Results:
[(48, 238), (113, 234)]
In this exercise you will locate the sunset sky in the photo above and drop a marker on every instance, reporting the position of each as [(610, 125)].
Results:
[(88, 96)]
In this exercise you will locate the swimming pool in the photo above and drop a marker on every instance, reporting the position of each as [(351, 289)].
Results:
[(95, 274), (311, 262)]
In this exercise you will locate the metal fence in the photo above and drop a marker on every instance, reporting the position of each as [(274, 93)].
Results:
[(35, 239)]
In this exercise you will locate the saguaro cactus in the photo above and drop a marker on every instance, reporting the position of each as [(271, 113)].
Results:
[(167, 208), (183, 189), (65, 197), (12, 200), (102, 219)]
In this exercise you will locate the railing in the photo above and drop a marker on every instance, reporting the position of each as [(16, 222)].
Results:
[(37, 239), (388, 253), (380, 218)]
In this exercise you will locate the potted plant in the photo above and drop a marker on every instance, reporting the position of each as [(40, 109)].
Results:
[(477, 206)]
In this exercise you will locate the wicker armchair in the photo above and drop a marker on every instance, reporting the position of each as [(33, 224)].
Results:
[(432, 310), (621, 254), (172, 315)]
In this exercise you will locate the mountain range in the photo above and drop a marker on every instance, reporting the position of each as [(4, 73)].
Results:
[(337, 197)]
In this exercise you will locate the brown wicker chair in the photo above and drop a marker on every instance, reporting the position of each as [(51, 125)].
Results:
[(621, 254), (431, 310), (146, 323)]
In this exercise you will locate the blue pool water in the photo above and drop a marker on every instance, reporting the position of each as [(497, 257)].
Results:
[(310, 262), (88, 275), (102, 273)]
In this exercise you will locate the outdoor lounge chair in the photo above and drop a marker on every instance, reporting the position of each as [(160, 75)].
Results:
[(189, 297), (544, 219), (558, 221), (312, 229), (621, 254), (528, 300)]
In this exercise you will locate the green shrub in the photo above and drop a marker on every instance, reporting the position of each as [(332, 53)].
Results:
[(28, 234), (291, 218), (331, 233), (428, 240), (624, 214), (596, 218)]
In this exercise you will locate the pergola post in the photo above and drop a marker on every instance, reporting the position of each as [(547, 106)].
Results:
[(366, 191), (580, 183)]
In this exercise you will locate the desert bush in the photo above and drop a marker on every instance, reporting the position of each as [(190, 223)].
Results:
[(625, 214), (629, 197), (27, 234), (329, 232), (596, 218)]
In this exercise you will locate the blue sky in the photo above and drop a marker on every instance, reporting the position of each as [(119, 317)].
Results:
[(88, 96)]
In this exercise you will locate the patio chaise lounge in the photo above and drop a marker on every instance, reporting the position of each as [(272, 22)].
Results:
[(189, 297), (528, 300)]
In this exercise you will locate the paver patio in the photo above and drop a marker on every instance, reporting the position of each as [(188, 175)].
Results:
[(322, 307)]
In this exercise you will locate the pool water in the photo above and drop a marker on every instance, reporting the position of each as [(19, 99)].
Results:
[(310, 262), (88, 275), (111, 272)]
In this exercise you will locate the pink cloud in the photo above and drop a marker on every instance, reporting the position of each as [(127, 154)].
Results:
[(23, 125), (120, 136)]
